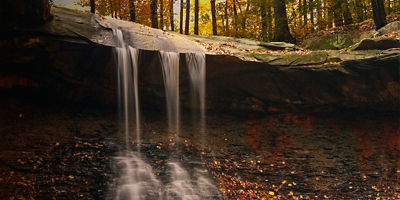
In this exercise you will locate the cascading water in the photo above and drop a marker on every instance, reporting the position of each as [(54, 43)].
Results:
[(182, 185), (196, 63), (136, 179), (170, 67), (128, 86)]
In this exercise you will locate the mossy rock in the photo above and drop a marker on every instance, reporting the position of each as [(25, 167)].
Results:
[(378, 44), (390, 28), (313, 58), (329, 42)]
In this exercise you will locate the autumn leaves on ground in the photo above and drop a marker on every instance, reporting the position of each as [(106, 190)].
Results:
[(66, 153), (54, 149)]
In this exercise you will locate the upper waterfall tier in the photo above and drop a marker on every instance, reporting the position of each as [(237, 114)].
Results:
[(96, 29), (72, 58)]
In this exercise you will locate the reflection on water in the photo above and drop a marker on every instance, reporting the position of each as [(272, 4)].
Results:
[(286, 155), (337, 156), (363, 139), (185, 187), (137, 180), (253, 136)]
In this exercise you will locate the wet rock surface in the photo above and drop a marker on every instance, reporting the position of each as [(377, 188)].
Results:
[(67, 153), (48, 152)]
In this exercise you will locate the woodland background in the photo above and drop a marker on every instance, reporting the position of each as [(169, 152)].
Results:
[(266, 20)]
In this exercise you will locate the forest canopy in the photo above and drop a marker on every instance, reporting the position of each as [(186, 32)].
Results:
[(266, 20)]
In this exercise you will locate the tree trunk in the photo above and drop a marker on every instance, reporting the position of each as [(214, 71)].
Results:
[(398, 5), (171, 15), (269, 19), (300, 12), (196, 17), (305, 9), (222, 16), (242, 19), (235, 17), (161, 14), (187, 21), (213, 17), (153, 10), (244, 22), (348, 19), (111, 8), (359, 13), (226, 17), (294, 16), (132, 10), (365, 13), (282, 32), (337, 13), (311, 8), (181, 18), (92, 6), (320, 21), (119, 10), (263, 14), (328, 13), (378, 9)]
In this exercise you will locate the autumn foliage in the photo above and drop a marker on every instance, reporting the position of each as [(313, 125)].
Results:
[(255, 19)]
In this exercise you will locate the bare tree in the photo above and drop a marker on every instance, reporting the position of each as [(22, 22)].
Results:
[(92, 6), (161, 14), (213, 17), (282, 33), (171, 14), (263, 13), (187, 21), (181, 18), (378, 9), (153, 10), (132, 10), (196, 17), (226, 17)]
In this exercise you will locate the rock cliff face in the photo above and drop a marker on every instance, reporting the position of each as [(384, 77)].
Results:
[(24, 13), (72, 58)]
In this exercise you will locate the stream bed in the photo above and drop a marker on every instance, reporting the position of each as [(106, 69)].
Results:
[(58, 152)]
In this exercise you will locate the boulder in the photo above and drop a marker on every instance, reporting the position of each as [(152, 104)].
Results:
[(381, 43), (329, 42), (390, 28)]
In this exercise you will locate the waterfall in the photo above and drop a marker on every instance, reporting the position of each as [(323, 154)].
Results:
[(127, 62), (170, 68), (136, 179), (134, 57), (196, 63), (182, 185)]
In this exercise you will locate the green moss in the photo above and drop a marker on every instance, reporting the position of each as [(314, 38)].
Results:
[(313, 58), (329, 42)]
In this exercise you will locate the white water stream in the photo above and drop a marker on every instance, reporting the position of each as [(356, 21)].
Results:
[(170, 68), (136, 180), (196, 63)]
